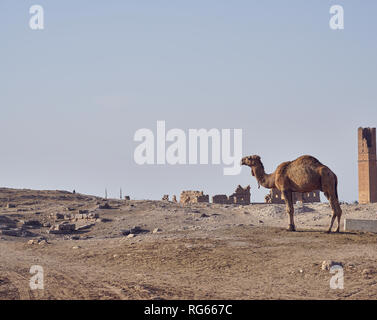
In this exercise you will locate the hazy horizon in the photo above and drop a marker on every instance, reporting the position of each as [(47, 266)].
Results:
[(74, 94)]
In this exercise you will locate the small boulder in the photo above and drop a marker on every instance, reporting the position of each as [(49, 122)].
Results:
[(32, 223), (57, 216), (368, 273), (104, 206), (327, 264)]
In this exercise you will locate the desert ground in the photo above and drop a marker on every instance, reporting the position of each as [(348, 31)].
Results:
[(143, 249)]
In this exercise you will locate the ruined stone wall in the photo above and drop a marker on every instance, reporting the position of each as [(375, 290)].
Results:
[(220, 198), (193, 197), (275, 196), (240, 196)]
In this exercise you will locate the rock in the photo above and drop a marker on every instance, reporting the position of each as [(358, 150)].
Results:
[(10, 205), (261, 221), (115, 256), (32, 242), (32, 223), (204, 215), (131, 235), (17, 233), (327, 264), (42, 242), (156, 230), (47, 224), (57, 216), (368, 272), (104, 206), (61, 228), (93, 215), (76, 247), (134, 230), (85, 226), (66, 227), (83, 211)]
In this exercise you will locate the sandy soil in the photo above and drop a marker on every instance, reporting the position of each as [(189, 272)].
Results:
[(200, 252)]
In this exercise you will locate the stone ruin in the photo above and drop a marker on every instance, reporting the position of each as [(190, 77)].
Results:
[(275, 196), (193, 197), (240, 196), (165, 197)]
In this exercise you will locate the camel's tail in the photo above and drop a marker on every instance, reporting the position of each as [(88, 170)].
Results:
[(336, 188)]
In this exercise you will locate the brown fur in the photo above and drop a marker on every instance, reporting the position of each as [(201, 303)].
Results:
[(304, 174)]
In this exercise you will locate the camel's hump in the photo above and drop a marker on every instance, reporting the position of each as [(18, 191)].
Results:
[(306, 159), (303, 161)]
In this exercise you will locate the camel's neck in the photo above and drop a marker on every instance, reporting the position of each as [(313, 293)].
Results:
[(264, 179)]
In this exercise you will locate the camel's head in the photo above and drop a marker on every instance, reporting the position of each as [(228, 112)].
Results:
[(252, 162)]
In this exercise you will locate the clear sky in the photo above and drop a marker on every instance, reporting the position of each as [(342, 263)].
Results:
[(73, 95)]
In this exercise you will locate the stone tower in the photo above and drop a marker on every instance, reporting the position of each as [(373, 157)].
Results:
[(367, 165)]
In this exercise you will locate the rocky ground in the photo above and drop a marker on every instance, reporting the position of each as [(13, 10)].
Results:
[(90, 248)]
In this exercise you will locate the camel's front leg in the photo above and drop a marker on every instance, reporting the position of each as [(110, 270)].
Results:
[(290, 210)]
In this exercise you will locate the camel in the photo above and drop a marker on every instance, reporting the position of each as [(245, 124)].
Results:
[(305, 174)]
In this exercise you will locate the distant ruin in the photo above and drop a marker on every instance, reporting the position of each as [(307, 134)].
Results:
[(240, 196), (193, 197), (275, 196), (367, 165)]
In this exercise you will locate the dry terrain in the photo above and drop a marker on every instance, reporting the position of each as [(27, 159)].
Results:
[(163, 250)]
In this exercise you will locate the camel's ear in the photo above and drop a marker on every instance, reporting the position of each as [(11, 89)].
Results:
[(256, 157)]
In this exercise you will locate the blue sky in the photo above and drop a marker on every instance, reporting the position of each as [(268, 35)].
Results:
[(73, 95)]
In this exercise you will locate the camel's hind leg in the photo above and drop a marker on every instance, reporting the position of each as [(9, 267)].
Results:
[(336, 211), (290, 210), (329, 187)]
